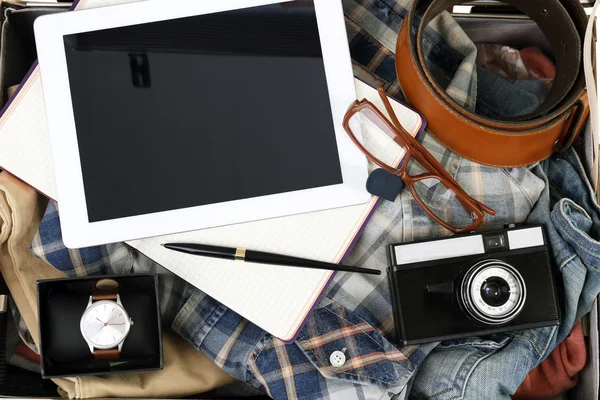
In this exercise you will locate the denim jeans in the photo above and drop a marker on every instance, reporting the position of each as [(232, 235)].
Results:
[(493, 367)]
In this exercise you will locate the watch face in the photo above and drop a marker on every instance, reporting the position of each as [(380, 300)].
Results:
[(105, 324)]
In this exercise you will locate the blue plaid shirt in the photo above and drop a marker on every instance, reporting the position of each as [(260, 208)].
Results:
[(355, 315)]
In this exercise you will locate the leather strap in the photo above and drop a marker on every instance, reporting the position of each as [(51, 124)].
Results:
[(107, 355), (105, 289), (520, 141)]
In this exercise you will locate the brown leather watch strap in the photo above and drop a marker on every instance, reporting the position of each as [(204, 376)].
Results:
[(105, 289), (107, 355), (519, 141)]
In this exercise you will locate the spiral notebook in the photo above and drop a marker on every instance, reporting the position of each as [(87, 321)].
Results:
[(278, 299)]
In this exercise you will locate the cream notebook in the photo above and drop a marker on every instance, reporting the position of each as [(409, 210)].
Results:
[(278, 299), (25, 150)]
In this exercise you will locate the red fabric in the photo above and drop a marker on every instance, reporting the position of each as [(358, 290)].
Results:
[(537, 63), (559, 372), (26, 352)]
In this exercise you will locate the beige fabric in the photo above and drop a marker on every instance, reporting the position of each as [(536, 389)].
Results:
[(12, 89), (186, 371)]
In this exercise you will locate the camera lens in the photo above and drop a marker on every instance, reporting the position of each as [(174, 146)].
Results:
[(495, 291), (492, 292)]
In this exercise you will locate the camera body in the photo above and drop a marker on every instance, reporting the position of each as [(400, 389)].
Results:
[(472, 285)]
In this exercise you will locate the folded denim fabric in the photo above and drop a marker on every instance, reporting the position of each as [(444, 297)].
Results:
[(493, 367), (557, 373), (186, 371)]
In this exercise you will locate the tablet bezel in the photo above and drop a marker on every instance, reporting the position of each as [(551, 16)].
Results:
[(79, 232)]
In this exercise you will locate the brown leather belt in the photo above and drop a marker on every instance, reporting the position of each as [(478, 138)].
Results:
[(518, 141)]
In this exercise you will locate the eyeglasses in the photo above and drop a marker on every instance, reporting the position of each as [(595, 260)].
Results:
[(440, 196)]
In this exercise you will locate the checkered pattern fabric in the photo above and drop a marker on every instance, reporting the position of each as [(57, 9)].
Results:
[(355, 316), (100, 260)]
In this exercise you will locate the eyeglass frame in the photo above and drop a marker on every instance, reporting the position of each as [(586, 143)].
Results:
[(414, 149)]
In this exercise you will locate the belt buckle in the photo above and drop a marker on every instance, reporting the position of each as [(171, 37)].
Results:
[(563, 144)]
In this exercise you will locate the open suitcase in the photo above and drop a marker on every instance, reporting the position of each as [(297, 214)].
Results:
[(17, 53)]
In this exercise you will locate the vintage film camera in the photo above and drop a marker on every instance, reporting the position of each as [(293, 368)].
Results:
[(472, 285)]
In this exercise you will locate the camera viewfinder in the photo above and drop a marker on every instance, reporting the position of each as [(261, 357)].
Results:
[(495, 242)]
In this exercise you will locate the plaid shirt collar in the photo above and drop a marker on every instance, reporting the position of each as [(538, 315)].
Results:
[(355, 316)]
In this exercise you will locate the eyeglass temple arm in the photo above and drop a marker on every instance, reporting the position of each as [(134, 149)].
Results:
[(432, 162), (433, 165)]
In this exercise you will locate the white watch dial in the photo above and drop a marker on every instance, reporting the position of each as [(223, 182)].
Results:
[(105, 324)]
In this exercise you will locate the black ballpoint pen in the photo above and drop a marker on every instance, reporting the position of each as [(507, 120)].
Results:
[(244, 255)]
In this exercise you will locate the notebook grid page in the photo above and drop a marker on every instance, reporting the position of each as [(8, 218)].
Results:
[(275, 298), (24, 137), (24, 131)]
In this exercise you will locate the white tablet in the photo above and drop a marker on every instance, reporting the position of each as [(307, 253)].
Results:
[(172, 117)]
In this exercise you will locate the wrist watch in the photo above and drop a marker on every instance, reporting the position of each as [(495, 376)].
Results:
[(105, 324)]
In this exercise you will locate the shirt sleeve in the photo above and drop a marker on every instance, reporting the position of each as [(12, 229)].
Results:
[(336, 353)]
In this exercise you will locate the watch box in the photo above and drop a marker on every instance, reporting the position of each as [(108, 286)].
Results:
[(63, 349)]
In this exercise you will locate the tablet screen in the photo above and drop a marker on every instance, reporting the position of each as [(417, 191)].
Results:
[(201, 110)]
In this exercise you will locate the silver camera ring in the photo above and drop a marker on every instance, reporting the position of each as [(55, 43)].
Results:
[(473, 301)]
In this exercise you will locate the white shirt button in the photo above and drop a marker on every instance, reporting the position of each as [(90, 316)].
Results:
[(337, 359)]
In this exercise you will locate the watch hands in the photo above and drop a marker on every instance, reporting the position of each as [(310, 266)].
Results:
[(108, 323)]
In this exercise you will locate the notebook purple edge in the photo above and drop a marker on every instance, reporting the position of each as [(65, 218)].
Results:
[(348, 250)]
